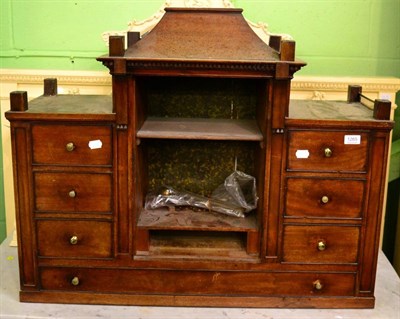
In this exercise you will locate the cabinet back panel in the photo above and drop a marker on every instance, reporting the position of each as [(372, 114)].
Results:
[(196, 166), (201, 98)]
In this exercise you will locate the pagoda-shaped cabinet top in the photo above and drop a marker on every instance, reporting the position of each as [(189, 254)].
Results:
[(193, 38)]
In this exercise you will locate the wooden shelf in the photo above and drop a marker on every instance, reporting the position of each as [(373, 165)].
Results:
[(164, 219), (200, 129), (223, 246)]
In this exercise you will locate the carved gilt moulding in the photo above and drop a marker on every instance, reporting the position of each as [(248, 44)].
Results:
[(146, 25)]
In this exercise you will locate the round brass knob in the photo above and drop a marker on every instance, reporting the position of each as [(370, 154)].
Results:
[(317, 285), (328, 152), (324, 199), (72, 193), (75, 281), (70, 147), (73, 240), (321, 245)]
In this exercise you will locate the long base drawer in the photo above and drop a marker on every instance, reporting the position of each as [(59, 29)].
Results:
[(185, 282)]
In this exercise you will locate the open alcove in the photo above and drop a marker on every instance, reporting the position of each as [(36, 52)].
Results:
[(195, 132)]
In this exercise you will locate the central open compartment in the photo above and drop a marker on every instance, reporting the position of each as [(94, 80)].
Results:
[(193, 133)]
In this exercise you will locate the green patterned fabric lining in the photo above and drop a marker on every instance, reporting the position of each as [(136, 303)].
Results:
[(196, 166)]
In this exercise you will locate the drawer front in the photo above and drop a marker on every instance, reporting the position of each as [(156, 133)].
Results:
[(327, 151), (324, 198), (74, 238), (72, 145), (73, 192), (320, 244), (198, 282)]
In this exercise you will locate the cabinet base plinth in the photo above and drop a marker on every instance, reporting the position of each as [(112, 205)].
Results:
[(64, 297)]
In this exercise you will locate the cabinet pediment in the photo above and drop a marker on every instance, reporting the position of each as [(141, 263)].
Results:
[(202, 35)]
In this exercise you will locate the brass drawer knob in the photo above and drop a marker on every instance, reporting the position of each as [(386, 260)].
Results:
[(317, 285), (72, 193), (75, 281), (328, 152), (321, 245), (324, 199), (70, 147), (73, 240)]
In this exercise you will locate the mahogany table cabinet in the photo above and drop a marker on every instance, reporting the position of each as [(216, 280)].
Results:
[(191, 103)]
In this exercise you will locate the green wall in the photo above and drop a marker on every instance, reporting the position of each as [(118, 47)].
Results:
[(335, 37), (347, 37)]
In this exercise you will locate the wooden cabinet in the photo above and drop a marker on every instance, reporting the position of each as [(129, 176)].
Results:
[(184, 117)]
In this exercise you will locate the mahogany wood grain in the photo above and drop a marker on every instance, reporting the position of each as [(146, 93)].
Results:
[(116, 45), (50, 87), (133, 37), (304, 197), (382, 109), (378, 153), (287, 50), (50, 144), (353, 93), (344, 157), (19, 101), (73, 192), (93, 238), (22, 186), (180, 282), (300, 244)]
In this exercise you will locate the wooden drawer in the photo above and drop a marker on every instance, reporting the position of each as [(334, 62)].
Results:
[(69, 145), (74, 238), (228, 283), (324, 198), (327, 151), (73, 192), (320, 244)]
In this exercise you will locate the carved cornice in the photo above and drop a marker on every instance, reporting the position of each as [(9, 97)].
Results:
[(146, 25), (259, 67)]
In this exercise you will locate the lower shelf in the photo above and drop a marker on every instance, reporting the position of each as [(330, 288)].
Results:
[(186, 233), (199, 245)]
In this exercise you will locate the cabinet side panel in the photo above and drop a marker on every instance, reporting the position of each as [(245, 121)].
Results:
[(22, 178), (378, 153)]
